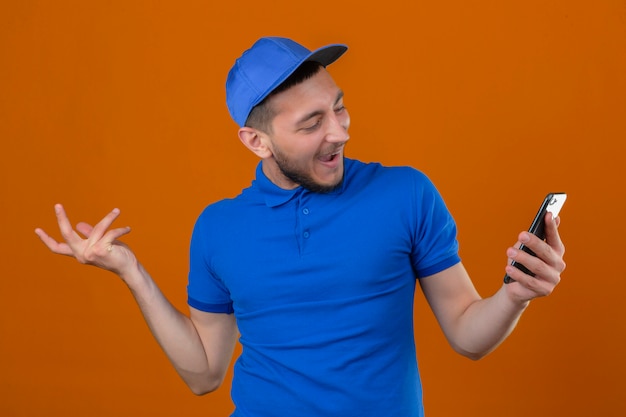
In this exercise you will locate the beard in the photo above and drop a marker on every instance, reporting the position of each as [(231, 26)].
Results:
[(301, 177)]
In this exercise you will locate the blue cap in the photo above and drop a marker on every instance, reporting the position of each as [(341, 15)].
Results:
[(264, 66)]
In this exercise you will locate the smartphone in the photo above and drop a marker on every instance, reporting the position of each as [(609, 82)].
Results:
[(553, 204)]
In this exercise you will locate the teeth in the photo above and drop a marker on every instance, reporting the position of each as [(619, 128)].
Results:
[(329, 157)]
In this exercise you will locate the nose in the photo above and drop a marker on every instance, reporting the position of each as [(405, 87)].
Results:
[(338, 127)]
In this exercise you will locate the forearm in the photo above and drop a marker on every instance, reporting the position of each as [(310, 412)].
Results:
[(485, 324), (174, 331)]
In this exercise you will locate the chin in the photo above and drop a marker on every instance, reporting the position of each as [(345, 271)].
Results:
[(323, 187)]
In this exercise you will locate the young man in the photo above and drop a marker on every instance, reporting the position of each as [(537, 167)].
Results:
[(316, 263)]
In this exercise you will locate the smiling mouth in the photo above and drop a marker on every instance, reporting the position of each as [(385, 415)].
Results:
[(330, 157)]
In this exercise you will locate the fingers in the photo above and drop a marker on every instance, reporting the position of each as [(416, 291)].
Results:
[(542, 270), (553, 238), (548, 263), (552, 250), (87, 230), (103, 225), (84, 229), (53, 245), (69, 235), (112, 235), (98, 236), (533, 287)]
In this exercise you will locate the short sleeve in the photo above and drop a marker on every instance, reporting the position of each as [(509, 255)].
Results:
[(205, 290), (435, 244)]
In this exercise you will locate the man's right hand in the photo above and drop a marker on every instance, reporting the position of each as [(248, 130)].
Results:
[(99, 247)]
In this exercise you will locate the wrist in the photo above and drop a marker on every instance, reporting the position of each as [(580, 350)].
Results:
[(134, 276), (514, 301)]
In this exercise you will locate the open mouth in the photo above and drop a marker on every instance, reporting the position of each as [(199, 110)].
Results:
[(330, 157)]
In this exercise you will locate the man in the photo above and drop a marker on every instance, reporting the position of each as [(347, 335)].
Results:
[(315, 264)]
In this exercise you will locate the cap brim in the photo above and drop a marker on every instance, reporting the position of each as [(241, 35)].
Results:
[(327, 54)]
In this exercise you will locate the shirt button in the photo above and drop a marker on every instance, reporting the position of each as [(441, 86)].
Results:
[(306, 234), (305, 211)]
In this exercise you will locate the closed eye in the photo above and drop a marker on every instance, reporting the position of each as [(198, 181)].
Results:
[(314, 126)]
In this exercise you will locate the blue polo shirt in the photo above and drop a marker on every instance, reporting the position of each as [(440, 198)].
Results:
[(322, 288)]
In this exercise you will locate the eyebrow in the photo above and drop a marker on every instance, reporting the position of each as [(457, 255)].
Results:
[(318, 112)]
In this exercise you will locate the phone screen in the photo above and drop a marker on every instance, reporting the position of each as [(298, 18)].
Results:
[(553, 204)]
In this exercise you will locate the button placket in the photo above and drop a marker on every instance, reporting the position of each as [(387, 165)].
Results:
[(307, 232), (304, 229)]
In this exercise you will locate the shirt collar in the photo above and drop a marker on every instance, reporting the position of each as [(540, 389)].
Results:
[(274, 196)]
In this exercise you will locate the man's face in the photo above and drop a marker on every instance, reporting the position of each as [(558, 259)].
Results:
[(308, 135)]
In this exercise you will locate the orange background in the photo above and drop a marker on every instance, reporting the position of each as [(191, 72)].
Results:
[(121, 104)]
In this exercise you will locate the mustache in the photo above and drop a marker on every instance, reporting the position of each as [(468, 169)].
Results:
[(334, 150)]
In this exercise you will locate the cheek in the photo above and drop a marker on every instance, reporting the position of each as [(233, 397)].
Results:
[(304, 147), (296, 153)]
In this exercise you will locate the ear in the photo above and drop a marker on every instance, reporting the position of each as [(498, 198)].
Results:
[(256, 141)]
